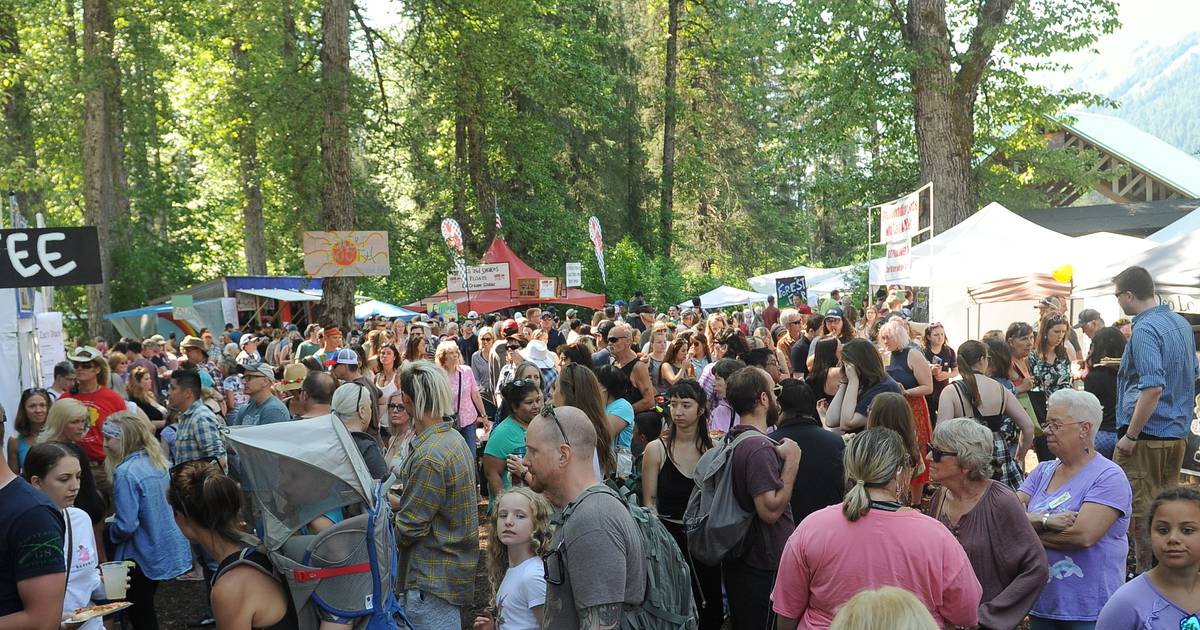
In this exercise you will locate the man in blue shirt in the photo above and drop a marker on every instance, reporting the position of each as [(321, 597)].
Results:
[(264, 407), (1156, 389)]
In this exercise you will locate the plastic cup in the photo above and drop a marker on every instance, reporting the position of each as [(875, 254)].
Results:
[(114, 575)]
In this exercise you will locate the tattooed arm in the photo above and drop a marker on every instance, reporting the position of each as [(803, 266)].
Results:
[(602, 617)]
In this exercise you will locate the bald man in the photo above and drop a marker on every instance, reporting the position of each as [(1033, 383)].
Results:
[(598, 559)]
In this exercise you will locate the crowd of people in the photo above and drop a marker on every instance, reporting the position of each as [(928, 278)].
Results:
[(876, 474)]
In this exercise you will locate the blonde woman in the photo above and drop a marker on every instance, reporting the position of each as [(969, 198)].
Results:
[(464, 391), (887, 607), (66, 424), (144, 528)]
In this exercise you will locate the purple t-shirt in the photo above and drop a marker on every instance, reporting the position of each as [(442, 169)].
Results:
[(757, 468), (1139, 606), (1082, 580)]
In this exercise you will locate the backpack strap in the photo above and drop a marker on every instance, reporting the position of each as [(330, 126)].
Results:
[(570, 509)]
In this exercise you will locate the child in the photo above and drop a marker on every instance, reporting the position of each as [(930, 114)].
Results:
[(1166, 596), (520, 536)]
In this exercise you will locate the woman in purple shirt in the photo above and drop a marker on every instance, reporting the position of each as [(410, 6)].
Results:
[(1079, 504), (1165, 597)]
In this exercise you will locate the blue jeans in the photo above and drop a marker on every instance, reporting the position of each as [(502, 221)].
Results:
[(1039, 623), (468, 433), (430, 612)]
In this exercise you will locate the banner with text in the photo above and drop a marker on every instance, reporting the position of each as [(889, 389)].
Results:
[(481, 278), (574, 275), (785, 288), (44, 257), (51, 345)]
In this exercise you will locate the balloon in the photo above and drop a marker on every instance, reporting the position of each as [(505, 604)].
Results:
[(1064, 273)]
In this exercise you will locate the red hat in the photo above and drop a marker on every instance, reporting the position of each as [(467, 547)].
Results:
[(805, 309), (509, 327)]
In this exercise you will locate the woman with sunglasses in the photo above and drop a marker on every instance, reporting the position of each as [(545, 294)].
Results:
[(1080, 505), (401, 428), (1165, 597), (992, 406), (522, 402), (91, 372), (1050, 370), (31, 417), (698, 353), (980, 512), (870, 540)]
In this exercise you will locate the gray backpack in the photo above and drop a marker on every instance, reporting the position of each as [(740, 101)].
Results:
[(716, 524)]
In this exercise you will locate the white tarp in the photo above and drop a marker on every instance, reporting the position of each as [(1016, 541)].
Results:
[(723, 296), (819, 280), (990, 245), (1186, 224)]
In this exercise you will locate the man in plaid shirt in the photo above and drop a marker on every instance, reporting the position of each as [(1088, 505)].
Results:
[(437, 523), (198, 436)]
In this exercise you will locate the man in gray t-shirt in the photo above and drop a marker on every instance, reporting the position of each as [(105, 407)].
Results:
[(595, 565)]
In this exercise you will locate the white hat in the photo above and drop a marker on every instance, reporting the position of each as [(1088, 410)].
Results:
[(537, 354), (472, 315)]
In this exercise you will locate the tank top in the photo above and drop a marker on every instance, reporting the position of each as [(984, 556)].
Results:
[(251, 556), (674, 489), (23, 447), (898, 369)]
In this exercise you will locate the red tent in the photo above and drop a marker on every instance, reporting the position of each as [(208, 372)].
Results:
[(499, 299)]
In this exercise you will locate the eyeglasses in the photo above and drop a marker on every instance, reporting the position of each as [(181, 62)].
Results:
[(1190, 622), (937, 454), (1117, 295), (395, 407), (1055, 427), (548, 412)]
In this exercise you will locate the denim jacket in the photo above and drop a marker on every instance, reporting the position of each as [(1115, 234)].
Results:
[(145, 530)]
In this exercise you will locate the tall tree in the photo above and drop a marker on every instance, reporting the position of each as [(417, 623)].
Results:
[(249, 174), (337, 196), (670, 98), (17, 148), (103, 173)]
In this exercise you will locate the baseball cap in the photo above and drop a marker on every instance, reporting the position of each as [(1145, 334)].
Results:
[(345, 356), (833, 312), (645, 309), (246, 338), (509, 327), (258, 369), (1049, 302), (605, 327), (572, 312), (84, 354), (1087, 316), (472, 315), (293, 377), (620, 302), (547, 314)]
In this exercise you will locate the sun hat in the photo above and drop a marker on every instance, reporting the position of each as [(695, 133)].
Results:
[(538, 354), (84, 354), (293, 377), (192, 342)]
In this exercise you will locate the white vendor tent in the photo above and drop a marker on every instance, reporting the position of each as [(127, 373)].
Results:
[(1174, 265), (818, 280), (1186, 224), (723, 296), (991, 244)]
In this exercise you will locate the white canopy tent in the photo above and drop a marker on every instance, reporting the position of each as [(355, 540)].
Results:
[(1186, 224), (1174, 265), (991, 244), (819, 280), (724, 296)]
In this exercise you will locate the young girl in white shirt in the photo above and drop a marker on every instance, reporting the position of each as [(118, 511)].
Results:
[(520, 535)]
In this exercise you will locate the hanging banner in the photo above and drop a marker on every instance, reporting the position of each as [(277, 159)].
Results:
[(597, 238), (51, 346), (900, 219), (547, 288), (574, 275), (229, 310), (49, 257), (453, 235), (898, 265), (346, 253), (481, 278), (785, 288)]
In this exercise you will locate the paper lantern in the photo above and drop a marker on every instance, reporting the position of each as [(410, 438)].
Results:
[(1064, 273)]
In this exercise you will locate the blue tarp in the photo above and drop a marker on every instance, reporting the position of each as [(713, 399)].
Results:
[(375, 307)]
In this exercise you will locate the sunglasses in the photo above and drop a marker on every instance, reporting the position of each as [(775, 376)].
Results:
[(616, 339), (548, 412), (80, 366), (937, 454)]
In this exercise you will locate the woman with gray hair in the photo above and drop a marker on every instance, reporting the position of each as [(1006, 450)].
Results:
[(1080, 505), (979, 512), (822, 565)]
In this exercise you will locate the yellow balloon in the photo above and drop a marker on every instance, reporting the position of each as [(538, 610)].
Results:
[(1064, 273)]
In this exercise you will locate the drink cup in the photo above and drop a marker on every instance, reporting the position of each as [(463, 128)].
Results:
[(114, 575)]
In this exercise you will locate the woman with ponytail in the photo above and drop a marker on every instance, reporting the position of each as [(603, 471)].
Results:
[(247, 591), (992, 405), (823, 564)]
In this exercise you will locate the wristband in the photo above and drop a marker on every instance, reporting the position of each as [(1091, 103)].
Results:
[(1131, 438), (1045, 517)]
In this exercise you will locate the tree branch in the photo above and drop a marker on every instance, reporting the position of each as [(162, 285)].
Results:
[(983, 39), (372, 34), (899, 16)]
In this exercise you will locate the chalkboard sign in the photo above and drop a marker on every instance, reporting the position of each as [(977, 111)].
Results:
[(785, 288), (49, 257)]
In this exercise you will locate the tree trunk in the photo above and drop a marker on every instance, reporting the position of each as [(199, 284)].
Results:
[(18, 148), (337, 197), (103, 175), (296, 131), (944, 102), (249, 175), (666, 207)]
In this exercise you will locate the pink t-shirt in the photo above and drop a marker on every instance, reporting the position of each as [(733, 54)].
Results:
[(462, 395), (829, 559)]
